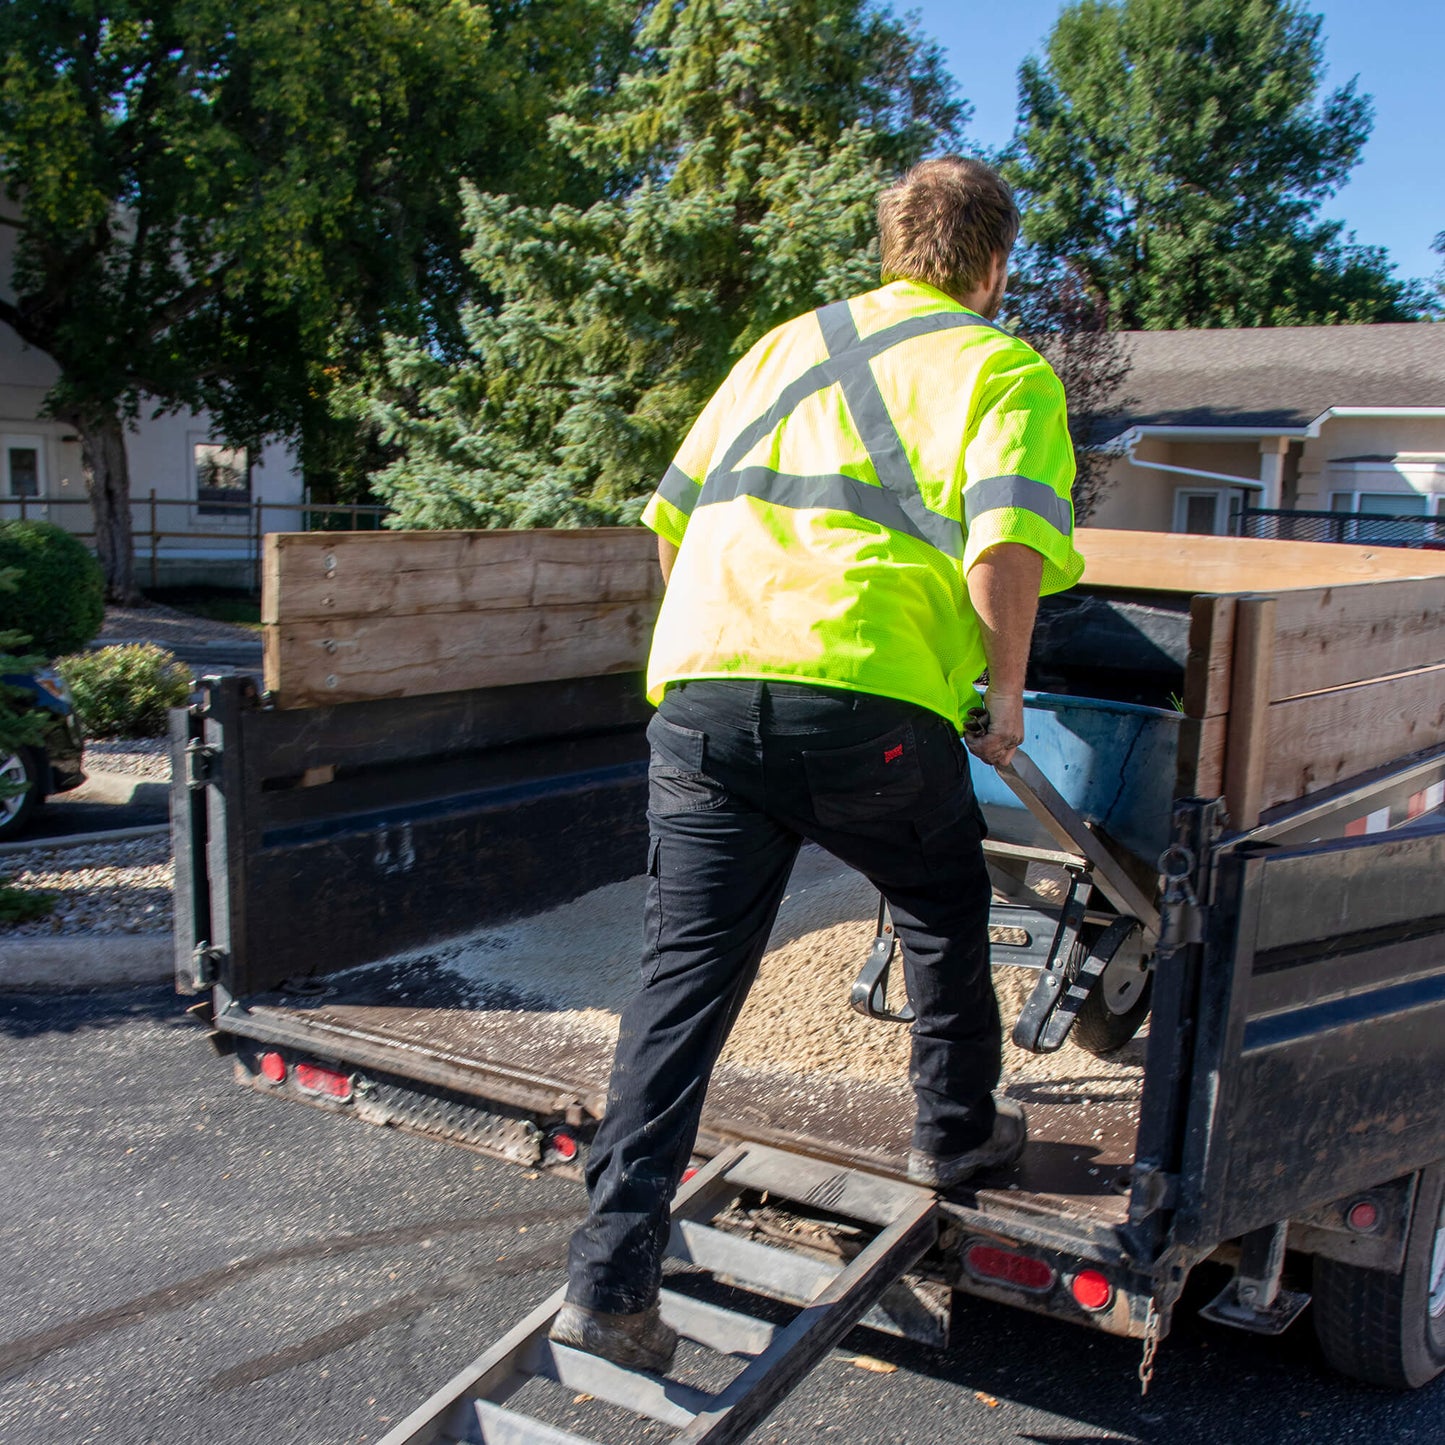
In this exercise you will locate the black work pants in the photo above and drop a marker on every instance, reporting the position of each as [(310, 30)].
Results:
[(741, 774)]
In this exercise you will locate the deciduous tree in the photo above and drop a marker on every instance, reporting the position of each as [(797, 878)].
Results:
[(220, 203), (1177, 153), (1053, 308)]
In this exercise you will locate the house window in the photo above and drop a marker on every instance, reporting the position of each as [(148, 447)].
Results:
[(1382, 504), (22, 467), (1385, 505), (1206, 510), (223, 480)]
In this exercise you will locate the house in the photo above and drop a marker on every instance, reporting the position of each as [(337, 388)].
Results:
[(203, 521), (1340, 420)]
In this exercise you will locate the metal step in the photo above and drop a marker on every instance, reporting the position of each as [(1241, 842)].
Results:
[(471, 1409)]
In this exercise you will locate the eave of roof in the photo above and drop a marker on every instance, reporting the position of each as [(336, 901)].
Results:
[(1272, 380)]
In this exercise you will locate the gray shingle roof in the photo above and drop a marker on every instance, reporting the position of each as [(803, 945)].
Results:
[(1278, 375)]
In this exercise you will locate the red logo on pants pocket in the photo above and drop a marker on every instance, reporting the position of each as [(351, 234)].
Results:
[(893, 754)]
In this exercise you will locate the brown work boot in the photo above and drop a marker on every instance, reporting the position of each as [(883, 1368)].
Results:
[(638, 1341), (1003, 1146)]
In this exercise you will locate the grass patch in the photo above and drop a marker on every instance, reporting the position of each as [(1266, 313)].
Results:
[(20, 905)]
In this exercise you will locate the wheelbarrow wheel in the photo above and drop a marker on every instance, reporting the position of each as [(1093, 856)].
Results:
[(1118, 1002)]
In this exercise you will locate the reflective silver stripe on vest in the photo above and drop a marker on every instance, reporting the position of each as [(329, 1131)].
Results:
[(679, 489), (991, 494), (837, 493), (897, 504)]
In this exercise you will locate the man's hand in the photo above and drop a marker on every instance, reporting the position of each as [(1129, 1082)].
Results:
[(1005, 732), (666, 556)]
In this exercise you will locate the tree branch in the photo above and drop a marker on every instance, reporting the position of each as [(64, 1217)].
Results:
[(186, 302)]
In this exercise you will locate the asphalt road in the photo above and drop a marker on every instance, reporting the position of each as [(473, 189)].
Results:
[(184, 1261)]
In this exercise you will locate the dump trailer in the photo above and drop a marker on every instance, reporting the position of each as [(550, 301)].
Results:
[(451, 738)]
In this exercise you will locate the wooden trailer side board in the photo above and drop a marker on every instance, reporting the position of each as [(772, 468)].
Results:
[(1289, 693), (357, 615), (1182, 562)]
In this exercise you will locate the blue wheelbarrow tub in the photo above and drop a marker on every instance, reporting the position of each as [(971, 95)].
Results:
[(1113, 762)]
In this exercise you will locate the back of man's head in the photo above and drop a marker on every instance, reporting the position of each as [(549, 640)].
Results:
[(945, 222)]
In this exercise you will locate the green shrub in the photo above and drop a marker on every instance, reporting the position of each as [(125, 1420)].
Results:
[(60, 600), (123, 692)]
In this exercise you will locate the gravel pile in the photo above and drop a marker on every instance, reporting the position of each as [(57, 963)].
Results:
[(580, 962), (145, 758), (101, 888)]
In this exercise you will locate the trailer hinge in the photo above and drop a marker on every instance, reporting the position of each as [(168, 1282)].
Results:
[(206, 965), (1153, 1189), (202, 763)]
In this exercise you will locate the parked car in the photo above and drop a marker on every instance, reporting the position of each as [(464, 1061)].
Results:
[(55, 764)]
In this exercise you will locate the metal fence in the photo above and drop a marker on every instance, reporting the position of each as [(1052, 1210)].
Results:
[(1363, 528), (162, 525)]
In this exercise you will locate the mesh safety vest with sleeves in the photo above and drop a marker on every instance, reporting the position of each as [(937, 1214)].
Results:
[(831, 497)]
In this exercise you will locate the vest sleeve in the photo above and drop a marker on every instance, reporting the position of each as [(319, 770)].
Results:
[(668, 509), (1019, 467)]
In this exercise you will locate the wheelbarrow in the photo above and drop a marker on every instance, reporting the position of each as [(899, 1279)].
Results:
[(1102, 826)]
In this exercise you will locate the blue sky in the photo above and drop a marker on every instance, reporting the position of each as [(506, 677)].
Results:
[(1396, 195)]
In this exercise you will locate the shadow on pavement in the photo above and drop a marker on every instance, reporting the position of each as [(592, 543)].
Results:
[(27, 1015)]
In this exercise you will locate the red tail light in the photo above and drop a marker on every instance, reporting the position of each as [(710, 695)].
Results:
[(313, 1079), (273, 1067), (563, 1144), (1092, 1289), (1363, 1216), (1007, 1266)]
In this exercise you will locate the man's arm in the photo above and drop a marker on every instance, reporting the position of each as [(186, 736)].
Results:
[(1003, 586), (666, 556)]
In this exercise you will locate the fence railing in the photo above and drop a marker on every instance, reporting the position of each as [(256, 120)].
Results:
[(1360, 528), (157, 521)]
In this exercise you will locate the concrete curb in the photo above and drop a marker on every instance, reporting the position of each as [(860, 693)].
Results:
[(76, 840), (71, 963)]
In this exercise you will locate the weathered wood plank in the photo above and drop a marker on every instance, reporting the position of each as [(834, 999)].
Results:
[(1331, 637), (1200, 770), (317, 576), (1211, 646), (1246, 734), (1176, 562), (351, 659), (1317, 740)]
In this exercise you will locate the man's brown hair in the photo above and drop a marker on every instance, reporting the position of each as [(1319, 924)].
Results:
[(944, 222)]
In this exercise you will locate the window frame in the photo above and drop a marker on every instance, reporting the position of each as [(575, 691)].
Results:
[(20, 441), (1227, 502), (216, 506)]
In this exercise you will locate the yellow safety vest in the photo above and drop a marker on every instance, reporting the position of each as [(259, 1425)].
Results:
[(831, 497)]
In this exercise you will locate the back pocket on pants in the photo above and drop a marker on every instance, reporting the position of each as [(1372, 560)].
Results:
[(881, 778)]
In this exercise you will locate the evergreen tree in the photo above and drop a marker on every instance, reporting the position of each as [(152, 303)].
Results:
[(735, 163), (1177, 152)]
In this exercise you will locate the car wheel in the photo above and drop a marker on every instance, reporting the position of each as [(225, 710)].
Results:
[(19, 770)]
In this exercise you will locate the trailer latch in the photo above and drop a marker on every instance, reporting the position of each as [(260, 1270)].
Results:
[(205, 965), (202, 763), (1152, 1189)]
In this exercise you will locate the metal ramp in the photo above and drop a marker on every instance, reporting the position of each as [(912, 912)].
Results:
[(471, 1408)]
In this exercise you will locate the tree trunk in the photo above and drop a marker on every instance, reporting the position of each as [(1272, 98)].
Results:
[(107, 476)]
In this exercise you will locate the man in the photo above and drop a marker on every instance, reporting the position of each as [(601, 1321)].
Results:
[(859, 524)]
